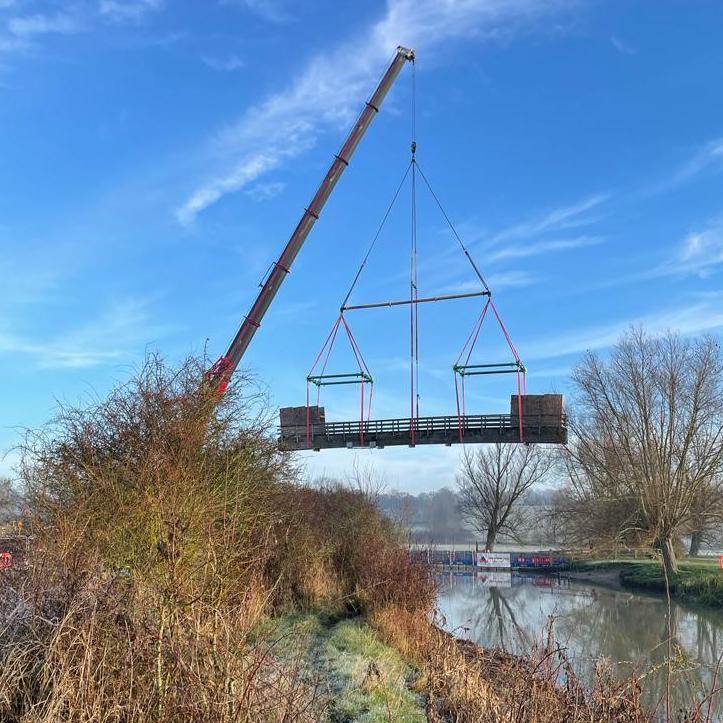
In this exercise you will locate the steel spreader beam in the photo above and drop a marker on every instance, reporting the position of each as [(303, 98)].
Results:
[(423, 300), (223, 369)]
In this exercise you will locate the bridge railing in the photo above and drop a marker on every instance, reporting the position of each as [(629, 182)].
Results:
[(423, 426)]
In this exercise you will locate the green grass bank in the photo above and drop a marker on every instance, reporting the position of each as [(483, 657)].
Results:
[(699, 580)]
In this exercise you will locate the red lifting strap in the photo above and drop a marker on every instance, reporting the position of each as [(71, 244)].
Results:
[(469, 345), (364, 375)]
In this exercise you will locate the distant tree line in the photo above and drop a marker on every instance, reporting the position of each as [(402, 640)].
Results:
[(437, 517)]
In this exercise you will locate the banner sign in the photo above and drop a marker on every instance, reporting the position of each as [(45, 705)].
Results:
[(494, 579), (537, 560), (493, 560)]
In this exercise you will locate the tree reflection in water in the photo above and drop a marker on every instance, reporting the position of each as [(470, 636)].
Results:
[(628, 630)]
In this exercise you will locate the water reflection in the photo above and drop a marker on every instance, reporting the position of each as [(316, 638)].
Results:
[(628, 629)]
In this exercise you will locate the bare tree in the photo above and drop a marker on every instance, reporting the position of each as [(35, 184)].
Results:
[(10, 501), (647, 442), (493, 481), (367, 479), (704, 529)]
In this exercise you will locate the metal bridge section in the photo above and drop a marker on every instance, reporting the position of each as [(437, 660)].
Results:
[(470, 429)]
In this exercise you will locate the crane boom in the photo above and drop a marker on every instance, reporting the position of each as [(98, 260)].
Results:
[(220, 373)]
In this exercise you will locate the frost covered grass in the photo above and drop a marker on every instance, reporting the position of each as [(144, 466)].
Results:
[(372, 677), (359, 678)]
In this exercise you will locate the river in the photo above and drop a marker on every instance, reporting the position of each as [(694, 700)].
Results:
[(626, 628)]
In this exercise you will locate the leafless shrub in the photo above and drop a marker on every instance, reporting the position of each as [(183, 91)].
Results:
[(341, 553), (154, 511), (11, 503)]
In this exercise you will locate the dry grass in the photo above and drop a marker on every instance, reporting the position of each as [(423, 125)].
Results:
[(108, 659), (467, 684)]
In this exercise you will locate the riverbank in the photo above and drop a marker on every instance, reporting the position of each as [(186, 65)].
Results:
[(598, 626), (604, 576), (395, 665), (698, 580)]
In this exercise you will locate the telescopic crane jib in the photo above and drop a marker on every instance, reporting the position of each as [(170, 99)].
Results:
[(220, 373)]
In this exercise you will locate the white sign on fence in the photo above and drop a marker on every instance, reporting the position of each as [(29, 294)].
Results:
[(490, 560), (494, 579)]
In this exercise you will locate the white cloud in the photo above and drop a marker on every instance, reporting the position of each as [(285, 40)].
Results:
[(437, 270), (128, 10), (21, 32), (26, 283), (701, 251), (621, 46), (225, 64), (52, 354), (709, 157), (559, 219), (512, 279), (274, 11), (247, 171), (330, 89), (116, 334), (28, 26), (519, 251), (265, 191), (704, 315)]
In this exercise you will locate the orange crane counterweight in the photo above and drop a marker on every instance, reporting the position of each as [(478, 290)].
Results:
[(220, 373)]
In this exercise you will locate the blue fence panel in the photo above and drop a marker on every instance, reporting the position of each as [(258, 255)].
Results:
[(464, 557), (440, 557)]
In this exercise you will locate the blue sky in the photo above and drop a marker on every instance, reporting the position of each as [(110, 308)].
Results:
[(156, 155)]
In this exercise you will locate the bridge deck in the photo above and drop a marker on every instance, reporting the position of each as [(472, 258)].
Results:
[(476, 429)]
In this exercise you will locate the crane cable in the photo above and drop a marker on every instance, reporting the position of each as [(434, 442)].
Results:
[(413, 286), (376, 237), (453, 229)]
